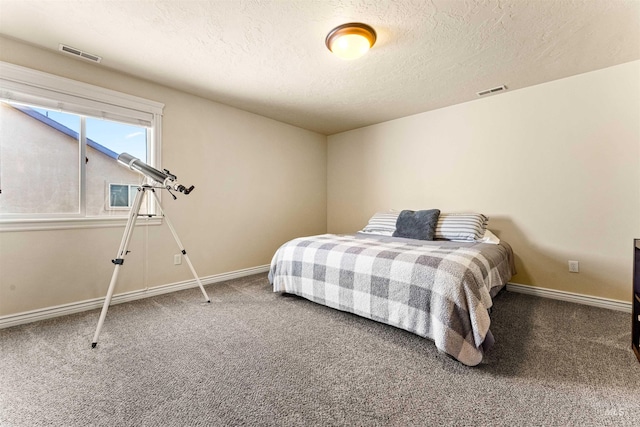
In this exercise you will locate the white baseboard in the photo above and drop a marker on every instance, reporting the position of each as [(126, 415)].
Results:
[(77, 307), (611, 304)]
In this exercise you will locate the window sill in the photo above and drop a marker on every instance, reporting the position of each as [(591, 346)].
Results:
[(72, 223)]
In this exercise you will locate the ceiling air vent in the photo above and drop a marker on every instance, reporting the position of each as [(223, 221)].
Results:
[(492, 90), (79, 53)]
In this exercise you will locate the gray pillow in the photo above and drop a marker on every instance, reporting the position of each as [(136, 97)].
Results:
[(419, 225)]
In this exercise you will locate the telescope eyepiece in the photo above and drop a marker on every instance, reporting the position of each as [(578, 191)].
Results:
[(183, 189)]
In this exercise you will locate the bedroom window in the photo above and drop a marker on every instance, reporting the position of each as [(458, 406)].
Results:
[(59, 140)]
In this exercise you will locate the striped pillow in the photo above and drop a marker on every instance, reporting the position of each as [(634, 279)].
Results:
[(463, 227), (383, 223)]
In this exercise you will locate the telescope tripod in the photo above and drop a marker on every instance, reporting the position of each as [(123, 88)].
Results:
[(123, 251)]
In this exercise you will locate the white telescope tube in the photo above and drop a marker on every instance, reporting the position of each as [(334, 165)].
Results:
[(138, 165)]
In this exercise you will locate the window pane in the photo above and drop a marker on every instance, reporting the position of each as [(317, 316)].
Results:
[(39, 161), (117, 137), (119, 195), (105, 141)]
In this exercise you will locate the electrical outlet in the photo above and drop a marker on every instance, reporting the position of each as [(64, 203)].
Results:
[(574, 267), (177, 259)]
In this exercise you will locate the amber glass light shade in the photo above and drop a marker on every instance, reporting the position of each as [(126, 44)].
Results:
[(351, 41)]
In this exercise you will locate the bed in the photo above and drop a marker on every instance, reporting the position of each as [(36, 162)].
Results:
[(441, 290)]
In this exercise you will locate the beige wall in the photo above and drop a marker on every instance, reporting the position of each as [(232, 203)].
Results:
[(556, 167), (258, 183)]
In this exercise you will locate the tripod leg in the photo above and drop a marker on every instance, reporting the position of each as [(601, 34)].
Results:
[(119, 261), (195, 275), (184, 252), (105, 306)]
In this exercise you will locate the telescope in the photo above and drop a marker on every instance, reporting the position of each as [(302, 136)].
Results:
[(165, 178)]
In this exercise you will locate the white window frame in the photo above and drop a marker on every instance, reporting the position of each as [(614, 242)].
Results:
[(24, 85)]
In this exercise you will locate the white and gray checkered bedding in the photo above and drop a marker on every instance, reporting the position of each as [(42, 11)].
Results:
[(438, 290)]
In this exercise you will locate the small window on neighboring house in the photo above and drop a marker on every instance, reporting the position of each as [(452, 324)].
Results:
[(121, 196), (59, 143)]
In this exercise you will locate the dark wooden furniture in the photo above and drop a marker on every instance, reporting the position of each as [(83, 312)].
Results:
[(635, 304)]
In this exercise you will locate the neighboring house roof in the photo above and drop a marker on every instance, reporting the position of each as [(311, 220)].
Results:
[(62, 128)]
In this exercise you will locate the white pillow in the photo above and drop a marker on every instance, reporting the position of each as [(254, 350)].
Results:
[(461, 227), (382, 223)]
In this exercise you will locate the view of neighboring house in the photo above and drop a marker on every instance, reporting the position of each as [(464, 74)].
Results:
[(31, 176)]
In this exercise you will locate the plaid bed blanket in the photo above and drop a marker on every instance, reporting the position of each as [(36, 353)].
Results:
[(437, 290)]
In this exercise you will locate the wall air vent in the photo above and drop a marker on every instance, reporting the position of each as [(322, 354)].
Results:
[(492, 90), (79, 53)]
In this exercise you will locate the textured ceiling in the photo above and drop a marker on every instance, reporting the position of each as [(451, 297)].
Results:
[(269, 57)]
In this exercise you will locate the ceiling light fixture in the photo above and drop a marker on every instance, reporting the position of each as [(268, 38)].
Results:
[(351, 41)]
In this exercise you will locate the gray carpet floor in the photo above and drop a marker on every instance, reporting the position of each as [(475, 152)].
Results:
[(256, 358)]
